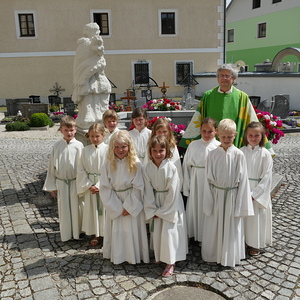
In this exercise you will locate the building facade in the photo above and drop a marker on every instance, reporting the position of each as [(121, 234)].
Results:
[(161, 40), (256, 30)]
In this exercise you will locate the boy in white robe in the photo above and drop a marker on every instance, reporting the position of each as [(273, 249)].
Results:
[(258, 228), (88, 182), (227, 200), (61, 180), (164, 206), (121, 190), (193, 177), (110, 121), (140, 133)]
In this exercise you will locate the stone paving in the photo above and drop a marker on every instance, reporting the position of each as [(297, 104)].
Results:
[(34, 264)]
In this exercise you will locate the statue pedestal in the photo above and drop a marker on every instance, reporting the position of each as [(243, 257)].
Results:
[(80, 136)]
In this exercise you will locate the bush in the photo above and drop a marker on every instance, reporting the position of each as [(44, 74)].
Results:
[(54, 108), (39, 120), (17, 126)]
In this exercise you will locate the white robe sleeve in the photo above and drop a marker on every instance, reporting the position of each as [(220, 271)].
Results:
[(50, 182), (187, 169), (82, 179), (113, 205), (261, 193), (208, 199), (133, 202), (244, 206)]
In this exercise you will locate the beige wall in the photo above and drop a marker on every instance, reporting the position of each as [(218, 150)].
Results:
[(134, 26)]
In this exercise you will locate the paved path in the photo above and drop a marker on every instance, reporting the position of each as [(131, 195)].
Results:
[(34, 264)]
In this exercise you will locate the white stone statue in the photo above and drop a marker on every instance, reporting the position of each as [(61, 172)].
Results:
[(91, 86)]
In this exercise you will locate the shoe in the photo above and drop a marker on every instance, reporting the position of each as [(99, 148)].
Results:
[(168, 271), (95, 241), (254, 252)]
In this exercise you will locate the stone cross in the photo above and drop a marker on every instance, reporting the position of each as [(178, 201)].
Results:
[(164, 89), (57, 89), (128, 97)]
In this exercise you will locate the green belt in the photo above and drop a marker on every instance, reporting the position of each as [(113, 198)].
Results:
[(255, 179), (68, 183), (200, 167), (225, 197), (152, 223), (99, 202), (129, 188)]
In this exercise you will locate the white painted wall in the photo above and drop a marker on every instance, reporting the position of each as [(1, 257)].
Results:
[(265, 87)]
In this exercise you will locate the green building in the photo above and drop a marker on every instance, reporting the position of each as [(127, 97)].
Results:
[(256, 30)]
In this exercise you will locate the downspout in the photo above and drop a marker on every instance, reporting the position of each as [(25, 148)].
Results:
[(224, 34)]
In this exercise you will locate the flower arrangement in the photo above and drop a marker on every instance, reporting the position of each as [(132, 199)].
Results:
[(162, 105), (116, 107), (271, 124), (178, 130), (294, 113)]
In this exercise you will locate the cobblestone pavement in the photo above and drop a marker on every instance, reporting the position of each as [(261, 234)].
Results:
[(34, 264)]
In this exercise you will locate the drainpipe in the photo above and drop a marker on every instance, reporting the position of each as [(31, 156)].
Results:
[(224, 43)]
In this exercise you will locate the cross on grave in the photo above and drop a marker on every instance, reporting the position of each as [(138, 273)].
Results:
[(164, 89), (57, 89), (128, 97)]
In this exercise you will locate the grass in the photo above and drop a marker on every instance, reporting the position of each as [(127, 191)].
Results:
[(3, 108)]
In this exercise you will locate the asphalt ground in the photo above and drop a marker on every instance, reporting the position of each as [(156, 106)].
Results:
[(35, 264)]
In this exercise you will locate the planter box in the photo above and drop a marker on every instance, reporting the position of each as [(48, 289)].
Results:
[(177, 116), (39, 128)]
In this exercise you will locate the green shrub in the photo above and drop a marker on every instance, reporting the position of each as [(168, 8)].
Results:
[(54, 108), (17, 126), (39, 120)]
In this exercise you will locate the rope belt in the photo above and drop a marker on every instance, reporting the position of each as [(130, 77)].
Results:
[(68, 183), (129, 188), (99, 202), (227, 189), (199, 167), (255, 179), (152, 223)]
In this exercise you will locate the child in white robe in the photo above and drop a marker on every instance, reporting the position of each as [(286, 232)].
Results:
[(61, 180), (164, 205), (140, 133), (110, 121), (162, 127), (88, 182), (121, 190), (226, 200), (193, 177), (258, 228)]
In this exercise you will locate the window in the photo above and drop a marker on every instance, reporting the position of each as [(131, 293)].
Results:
[(255, 4), (141, 72), (262, 30), (230, 35), (25, 24), (276, 1), (183, 69), (102, 18), (167, 22)]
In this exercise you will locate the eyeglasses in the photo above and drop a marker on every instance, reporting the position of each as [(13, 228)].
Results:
[(225, 76)]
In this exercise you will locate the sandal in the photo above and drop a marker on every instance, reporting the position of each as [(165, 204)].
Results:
[(95, 241), (168, 271), (254, 252)]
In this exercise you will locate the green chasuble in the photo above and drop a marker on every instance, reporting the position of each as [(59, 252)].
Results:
[(235, 106)]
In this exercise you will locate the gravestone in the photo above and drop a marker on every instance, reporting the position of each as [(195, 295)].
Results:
[(54, 100), (281, 106), (14, 105), (28, 109), (35, 98), (69, 106)]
